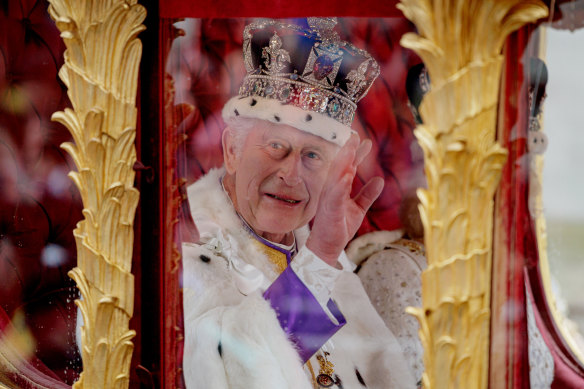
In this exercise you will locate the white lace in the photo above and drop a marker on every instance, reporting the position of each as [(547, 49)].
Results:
[(392, 280), (541, 361)]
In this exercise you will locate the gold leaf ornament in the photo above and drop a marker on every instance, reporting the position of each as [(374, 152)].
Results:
[(101, 74), (460, 43)]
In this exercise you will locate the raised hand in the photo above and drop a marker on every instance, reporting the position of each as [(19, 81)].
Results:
[(338, 215)]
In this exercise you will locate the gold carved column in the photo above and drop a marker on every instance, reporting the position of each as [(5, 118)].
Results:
[(101, 74), (460, 42)]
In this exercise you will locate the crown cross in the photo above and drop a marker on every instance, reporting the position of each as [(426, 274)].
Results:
[(275, 56), (357, 80), (324, 27)]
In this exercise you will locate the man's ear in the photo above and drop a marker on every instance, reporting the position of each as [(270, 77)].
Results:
[(229, 154)]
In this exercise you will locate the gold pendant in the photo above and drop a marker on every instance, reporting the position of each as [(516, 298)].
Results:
[(326, 371), (325, 380)]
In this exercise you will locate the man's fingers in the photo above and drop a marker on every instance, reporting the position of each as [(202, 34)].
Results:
[(338, 193), (343, 160), (369, 193), (347, 152), (362, 151)]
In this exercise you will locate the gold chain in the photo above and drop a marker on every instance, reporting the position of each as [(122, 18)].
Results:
[(326, 366)]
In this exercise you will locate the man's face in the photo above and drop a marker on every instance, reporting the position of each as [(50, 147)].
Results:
[(279, 176)]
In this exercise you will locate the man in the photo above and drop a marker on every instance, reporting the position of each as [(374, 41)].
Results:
[(269, 302)]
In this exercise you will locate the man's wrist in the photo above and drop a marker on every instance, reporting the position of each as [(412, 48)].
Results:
[(318, 276), (328, 255)]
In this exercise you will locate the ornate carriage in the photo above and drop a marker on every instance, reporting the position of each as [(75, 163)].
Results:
[(134, 93)]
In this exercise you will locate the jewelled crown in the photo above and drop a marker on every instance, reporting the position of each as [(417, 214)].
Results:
[(305, 77)]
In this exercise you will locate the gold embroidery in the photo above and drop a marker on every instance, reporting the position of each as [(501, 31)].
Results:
[(276, 257), (413, 246), (326, 366)]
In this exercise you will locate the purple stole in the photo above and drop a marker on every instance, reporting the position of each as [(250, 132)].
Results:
[(301, 316)]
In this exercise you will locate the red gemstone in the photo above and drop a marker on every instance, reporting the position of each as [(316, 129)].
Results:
[(325, 380), (322, 67)]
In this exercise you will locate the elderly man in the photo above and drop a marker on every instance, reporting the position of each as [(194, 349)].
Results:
[(268, 302)]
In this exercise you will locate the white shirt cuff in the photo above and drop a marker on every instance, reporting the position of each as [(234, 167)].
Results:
[(318, 276)]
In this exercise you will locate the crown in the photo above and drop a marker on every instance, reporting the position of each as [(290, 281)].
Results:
[(291, 68)]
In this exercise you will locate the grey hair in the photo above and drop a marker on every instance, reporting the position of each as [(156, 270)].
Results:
[(240, 127)]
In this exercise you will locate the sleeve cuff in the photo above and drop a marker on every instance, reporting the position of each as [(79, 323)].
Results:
[(318, 276)]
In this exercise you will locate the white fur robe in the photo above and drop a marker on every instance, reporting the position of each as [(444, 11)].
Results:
[(233, 338)]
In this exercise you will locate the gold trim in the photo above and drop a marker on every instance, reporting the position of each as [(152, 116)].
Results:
[(460, 43), (277, 258), (101, 74), (315, 384)]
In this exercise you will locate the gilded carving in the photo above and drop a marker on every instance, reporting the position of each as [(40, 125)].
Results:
[(460, 43), (101, 74)]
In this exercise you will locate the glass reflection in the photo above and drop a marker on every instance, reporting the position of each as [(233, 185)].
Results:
[(563, 187), (39, 205)]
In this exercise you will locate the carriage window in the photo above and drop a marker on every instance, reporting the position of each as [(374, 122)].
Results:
[(287, 97), (39, 205), (562, 190)]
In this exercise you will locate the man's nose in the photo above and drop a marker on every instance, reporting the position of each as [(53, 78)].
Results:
[(290, 170)]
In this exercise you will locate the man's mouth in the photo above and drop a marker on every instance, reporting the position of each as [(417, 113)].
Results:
[(289, 201)]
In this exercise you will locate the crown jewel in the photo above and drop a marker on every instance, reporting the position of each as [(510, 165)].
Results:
[(309, 68)]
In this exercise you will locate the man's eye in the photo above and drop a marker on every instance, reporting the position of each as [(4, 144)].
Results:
[(312, 155), (276, 149)]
